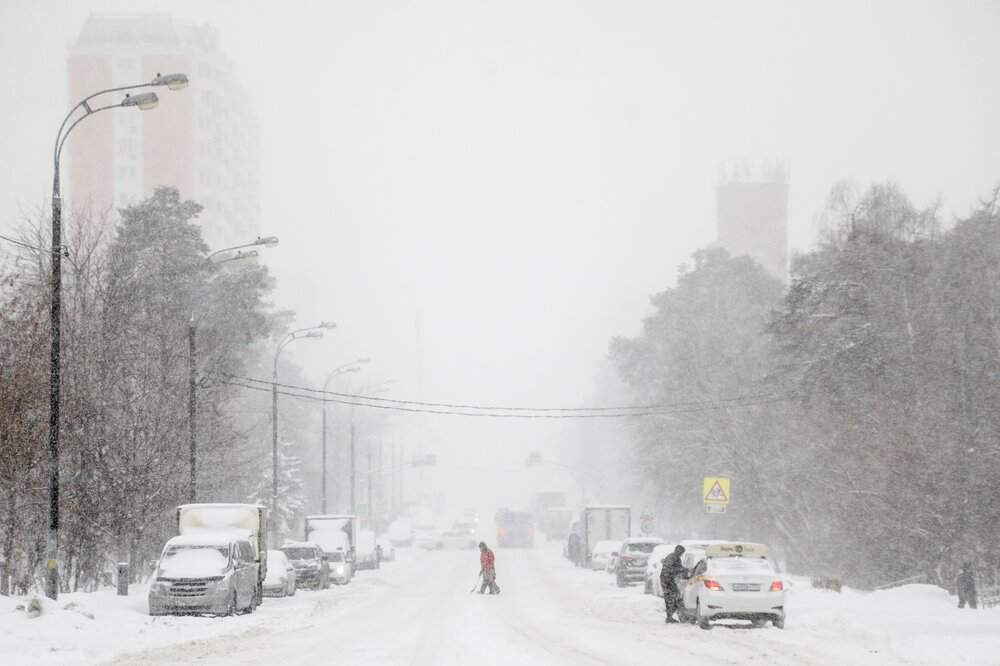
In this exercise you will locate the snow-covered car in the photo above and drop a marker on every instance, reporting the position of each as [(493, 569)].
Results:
[(310, 562), (206, 573), (733, 581), (448, 541), (341, 571), (630, 563), (400, 532), (653, 566), (280, 579), (601, 557)]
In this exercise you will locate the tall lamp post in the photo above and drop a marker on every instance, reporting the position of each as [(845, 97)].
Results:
[(144, 101), (267, 241), (347, 367), (300, 334)]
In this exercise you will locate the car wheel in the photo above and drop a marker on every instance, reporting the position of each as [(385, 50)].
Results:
[(649, 588), (759, 623), (621, 581), (699, 618), (231, 611), (779, 623)]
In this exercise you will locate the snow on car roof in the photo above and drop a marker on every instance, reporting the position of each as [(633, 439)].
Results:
[(656, 540), (204, 539), (299, 544)]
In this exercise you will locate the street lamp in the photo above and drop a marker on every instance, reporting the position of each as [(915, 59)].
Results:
[(269, 241), (300, 334), (347, 367), (143, 101)]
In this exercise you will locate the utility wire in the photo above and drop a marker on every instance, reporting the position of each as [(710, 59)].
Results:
[(720, 402), (360, 401)]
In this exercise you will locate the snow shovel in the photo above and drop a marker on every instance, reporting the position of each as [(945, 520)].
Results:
[(476, 583)]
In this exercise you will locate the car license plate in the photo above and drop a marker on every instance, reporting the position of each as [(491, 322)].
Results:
[(746, 587)]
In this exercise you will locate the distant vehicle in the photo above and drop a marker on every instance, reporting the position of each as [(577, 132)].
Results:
[(400, 532), (630, 562), (603, 553), (332, 533), (603, 523), (209, 573), (312, 568), (244, 520), (280, 580), (365, 555), (515, 529), (340, 569), (388, 550), (448, 541), (552, 517), (465, 526), (733, 581)]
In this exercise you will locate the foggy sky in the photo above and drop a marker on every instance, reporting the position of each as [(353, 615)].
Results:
[(526, 174)]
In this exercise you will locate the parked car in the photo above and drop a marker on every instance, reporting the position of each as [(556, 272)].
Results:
[(630, 560), (312, 570), (602, 555), (280, 580), (207, 573), (341, 571), (733, 581)]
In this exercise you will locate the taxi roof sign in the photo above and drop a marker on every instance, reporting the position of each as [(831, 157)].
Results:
[(741, 549)]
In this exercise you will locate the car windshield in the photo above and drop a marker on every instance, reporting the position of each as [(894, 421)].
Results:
[(740, 565), (335, 557), (195, 560), (299, 553), (641, 547)]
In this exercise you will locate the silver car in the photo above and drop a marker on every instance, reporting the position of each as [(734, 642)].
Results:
[(205, 573)]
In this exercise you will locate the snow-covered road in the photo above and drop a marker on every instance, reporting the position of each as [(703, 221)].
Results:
[(418, 610)]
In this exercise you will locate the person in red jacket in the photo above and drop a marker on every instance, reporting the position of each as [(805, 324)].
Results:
[(487, 568)]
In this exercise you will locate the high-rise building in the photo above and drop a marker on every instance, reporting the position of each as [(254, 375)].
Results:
[(752, 216), (202, 139)]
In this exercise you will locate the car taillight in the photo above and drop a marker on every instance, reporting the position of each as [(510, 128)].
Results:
[(625, 558), (531, 532), (777, 586), (503, 531), (712, 584)]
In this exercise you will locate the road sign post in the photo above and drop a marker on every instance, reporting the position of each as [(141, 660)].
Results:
[(646, 521)]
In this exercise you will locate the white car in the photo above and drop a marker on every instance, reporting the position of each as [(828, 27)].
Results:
[(280, 580), (448, 541), (733, 581), (694, 550), (601, 558)]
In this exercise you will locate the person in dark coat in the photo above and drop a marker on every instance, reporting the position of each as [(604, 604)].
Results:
[(573, 548), (966, 585), (669, 571), (487, 567)]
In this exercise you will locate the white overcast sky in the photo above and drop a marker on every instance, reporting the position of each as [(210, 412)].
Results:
[(527, 173)]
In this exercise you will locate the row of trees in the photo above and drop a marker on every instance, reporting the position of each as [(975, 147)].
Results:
[(131, 291), (855, 410)]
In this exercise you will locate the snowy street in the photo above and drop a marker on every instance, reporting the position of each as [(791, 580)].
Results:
[(418, 610)]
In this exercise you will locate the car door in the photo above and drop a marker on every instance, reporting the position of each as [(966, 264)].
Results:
[(689, 588)]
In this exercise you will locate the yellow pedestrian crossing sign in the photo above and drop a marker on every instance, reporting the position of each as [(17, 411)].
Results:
[(715, 490)]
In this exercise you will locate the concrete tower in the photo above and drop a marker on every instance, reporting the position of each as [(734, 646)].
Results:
[(202, 140), (752, 216)]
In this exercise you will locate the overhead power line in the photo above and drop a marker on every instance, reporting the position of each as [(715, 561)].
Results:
[(414, 406)]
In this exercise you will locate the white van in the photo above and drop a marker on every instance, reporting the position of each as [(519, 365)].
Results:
[(204, 573)]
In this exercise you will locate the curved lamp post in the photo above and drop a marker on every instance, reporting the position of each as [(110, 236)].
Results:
[(267, 241), (300, 334), (144, 101), (354, 366)]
